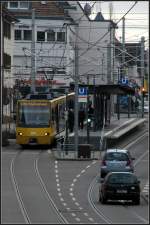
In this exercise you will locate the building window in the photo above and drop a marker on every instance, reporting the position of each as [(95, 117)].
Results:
[(17, 34), (51, 36), (27, 35), (40, 36), (24, 5), (61, 36), (7, 61), (13, 5), (7, 30), (18, 5)]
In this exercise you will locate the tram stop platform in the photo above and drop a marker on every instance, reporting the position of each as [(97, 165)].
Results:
[(111, 134)]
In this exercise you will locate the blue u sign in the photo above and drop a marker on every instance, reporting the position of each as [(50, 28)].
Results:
[(82, 91)]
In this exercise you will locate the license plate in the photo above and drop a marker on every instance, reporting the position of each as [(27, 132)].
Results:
[(121, 191)]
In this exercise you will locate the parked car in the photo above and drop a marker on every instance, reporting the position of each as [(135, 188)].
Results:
[(146, 107), (116, 160), (120, 186)]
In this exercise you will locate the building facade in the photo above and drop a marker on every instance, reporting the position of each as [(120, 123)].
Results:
[(7, 48)]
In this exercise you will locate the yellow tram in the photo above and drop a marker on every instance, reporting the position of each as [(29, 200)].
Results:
[(39, 118)]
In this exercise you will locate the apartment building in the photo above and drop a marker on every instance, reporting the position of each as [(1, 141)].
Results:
[(54, 50), (7, 44)]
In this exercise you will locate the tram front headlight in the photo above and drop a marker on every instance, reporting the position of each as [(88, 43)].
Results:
[(46, 134), (20, 133)]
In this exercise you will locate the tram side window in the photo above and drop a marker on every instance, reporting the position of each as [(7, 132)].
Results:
[(53, 115), (62, 107)]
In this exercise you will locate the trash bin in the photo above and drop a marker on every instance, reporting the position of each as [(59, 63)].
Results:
[(84, 150)]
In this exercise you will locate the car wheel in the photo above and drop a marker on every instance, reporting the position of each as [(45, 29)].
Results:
[(136, 201)]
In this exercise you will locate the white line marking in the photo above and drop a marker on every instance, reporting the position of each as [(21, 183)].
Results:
[(91, 219), (82, 171), (78, 175), (88, 166), (64, 203), (71, 194), (58, 189), (76, 203), (58, 185), (57, 180), (77, 219), (86, 214), (61, 199), (74, 199), (71, 189), (73, 214), (74, 180), (60, 194), (56, 171)]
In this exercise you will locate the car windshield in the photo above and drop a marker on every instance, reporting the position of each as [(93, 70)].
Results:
[(122, 179), (118, 156)]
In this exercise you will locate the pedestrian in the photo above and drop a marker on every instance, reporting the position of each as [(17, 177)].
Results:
[(81, 118), (90, 111), (70, 120)]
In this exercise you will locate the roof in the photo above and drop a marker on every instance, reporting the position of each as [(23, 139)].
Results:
[(8, 15), (109, 89), (99, 17)]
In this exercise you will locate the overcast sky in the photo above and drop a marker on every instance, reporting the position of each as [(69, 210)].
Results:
[(136, 21)]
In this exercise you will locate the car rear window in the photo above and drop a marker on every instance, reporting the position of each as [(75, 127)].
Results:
[(119, 156), (122, 179)]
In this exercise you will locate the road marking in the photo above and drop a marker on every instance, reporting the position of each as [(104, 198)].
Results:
[(76, 203), (71, 194), (64, 203), (58, 189), (91, 219), (78, 175), (88, 166), (74, 199), (73, 214), (77, 219)]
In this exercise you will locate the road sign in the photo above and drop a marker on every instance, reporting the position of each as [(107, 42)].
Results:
[(82, 94), (123, 80)]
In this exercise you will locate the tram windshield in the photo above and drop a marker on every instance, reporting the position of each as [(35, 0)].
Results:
[(34, 115)]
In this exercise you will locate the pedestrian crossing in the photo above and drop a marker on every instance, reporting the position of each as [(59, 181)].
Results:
[(145, 190)]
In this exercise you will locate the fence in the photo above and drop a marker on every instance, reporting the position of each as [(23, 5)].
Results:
[(67, 151)]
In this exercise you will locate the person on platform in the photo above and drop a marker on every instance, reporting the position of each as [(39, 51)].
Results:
[(70, 120)]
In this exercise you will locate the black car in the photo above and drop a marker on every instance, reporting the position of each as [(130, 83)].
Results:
[(120, 186)]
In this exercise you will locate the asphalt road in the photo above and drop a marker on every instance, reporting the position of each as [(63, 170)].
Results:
[(37, 188)]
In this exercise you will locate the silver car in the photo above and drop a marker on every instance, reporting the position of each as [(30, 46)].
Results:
[(116, 160)]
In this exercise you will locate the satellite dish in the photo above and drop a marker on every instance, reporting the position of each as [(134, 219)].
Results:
[(87, 9)]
